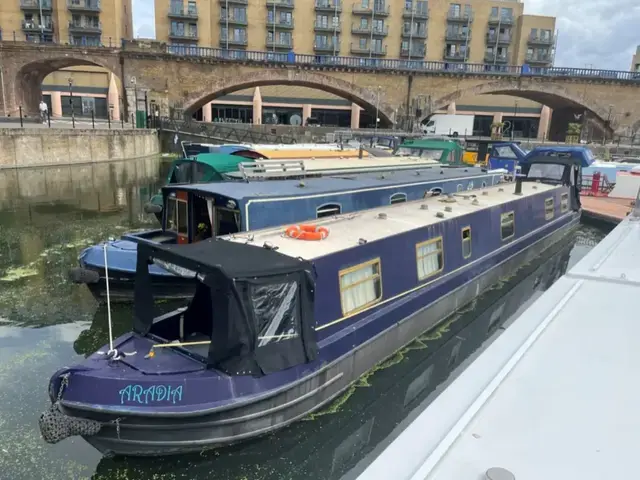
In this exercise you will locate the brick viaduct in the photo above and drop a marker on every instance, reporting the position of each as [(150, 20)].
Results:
[(189, 82)]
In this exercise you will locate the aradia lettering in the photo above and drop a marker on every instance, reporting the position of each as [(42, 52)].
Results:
[(152, 394)]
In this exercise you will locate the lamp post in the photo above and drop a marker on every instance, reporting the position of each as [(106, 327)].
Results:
[(73, 117), (513, 124), (135, 96), (41, 22), (377, 107)]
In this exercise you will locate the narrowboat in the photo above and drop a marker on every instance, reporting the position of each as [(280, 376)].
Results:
[(198, 211), (495, 154), (276, 152), (279, 326), (216, 167), (444, 150)]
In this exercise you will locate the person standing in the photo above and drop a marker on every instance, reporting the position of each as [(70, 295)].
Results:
[(43, 111)]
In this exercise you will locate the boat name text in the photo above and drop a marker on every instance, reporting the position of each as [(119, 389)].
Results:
[(152, 394)]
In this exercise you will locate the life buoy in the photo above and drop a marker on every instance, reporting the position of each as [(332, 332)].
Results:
[(307, 232)]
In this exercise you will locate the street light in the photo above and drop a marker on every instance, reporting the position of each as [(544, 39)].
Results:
[(377, 107), (73, 118)]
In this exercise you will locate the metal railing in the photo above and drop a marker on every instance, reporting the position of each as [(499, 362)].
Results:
[(416, 14), (280, 3), (85, 27), (457, 36), (369, 29), (539, 40), (183, 34), (460, 17), (31, 26), (502, 20), (376, 10), (368, 50), (279, 23), (492, 38), (36, 4), (180, 12), (329, 5), (233, 19), (84, 5), (414, 32), (326, 27)]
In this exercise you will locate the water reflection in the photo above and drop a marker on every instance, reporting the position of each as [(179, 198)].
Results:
[(48, 215)]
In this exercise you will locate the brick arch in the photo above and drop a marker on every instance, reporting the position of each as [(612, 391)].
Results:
[(547, 93), (365, 97), (29, 76)]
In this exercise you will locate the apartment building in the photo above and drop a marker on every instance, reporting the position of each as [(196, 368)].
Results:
[(490, 32), (635, 61), (75, 22)]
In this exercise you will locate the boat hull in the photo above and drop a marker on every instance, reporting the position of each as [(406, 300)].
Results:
[(150, 435)]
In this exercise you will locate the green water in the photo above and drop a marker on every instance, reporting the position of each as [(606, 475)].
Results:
[(48, 215)]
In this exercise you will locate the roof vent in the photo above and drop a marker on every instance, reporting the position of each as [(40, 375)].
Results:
[(475, 202), (535, 187), (440, 215), (382, 177), (382, 216), (362, 241), (417, 173), (424, 206), (485, 193), (465, 197), (441, 172), (270, 246), (448, 209), (301, 184), (498, 473), (501, 189)]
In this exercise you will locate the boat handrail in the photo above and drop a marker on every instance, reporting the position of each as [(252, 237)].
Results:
[(271, 168)]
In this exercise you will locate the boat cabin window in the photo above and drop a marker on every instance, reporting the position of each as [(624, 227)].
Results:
[(546, 171), (276, 312), (398, 198), (548, 208), (227, 221), (470, 186), (466, 242), (328, 210), (191, 172), (564, 203), (459, 188), (430, 258), (360, 286), (507, 225), (504, 152), (177, 216)]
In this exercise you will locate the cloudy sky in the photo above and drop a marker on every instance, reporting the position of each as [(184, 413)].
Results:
[(591, 33)]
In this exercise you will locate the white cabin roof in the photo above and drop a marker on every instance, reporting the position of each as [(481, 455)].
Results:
[(554, 397), (346, 230)]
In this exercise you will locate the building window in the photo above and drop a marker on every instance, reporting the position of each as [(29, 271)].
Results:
[(548, 209), (430, 258), (328, 210), (564, 203), (360, 286), (398, 198), (507, 225), (466, 242)]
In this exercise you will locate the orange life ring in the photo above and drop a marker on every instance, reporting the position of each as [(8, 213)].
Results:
[(307, 232)]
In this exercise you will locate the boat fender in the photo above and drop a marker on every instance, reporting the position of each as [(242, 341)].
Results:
[(307, 232), (152, 208), (83, 275), (56, 426)]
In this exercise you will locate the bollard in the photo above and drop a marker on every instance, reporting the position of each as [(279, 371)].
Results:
[(49, 118), (133, 125), (109, 120), (518, 184), (122, 120), (93, 119), (21, 122)]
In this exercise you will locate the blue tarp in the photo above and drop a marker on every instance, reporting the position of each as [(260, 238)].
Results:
[(583, 155)]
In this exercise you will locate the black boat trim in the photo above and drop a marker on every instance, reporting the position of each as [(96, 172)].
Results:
[(272, 393)]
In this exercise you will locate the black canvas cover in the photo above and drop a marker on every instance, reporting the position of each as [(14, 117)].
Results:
[(254, 303)]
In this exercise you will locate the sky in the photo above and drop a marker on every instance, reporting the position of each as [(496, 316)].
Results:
[(591, 33)]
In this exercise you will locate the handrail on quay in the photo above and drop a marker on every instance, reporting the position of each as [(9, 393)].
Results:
[(333, 61)]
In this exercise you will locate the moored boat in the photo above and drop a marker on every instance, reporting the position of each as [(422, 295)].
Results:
[(278, 326), (198, 211)]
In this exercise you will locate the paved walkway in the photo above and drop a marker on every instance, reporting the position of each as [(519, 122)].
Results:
[(64, 123), (610, 210)]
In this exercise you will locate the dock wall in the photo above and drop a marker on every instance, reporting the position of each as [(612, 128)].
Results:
[(36, 147)]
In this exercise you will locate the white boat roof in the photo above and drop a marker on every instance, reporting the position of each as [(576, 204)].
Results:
[(346, 230), (554, 397)]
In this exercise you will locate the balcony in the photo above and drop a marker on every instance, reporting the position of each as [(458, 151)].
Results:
[(414, 32), (89, 6), (279, 44), (233, 42), (233, 20), (539, 40), (538, 59), (329, 6), (459, 17), (500, 39), (326, 27), (456, 56), (455, 36), (374, 52), (176, 11), (367, 30), (409, 13), (224, 3), (35, 27), (279, 24), (373, 10), (493, 58), (85, 27), (415, 52), (32, 5), (183, 35), (284, 4), (501, 20), (327, 47)]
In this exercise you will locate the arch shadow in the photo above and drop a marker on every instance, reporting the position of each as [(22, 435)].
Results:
[(552, 95), (365, 98), (29, 78)]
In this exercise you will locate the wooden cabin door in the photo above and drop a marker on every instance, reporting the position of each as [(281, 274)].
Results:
[(182, 211)]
